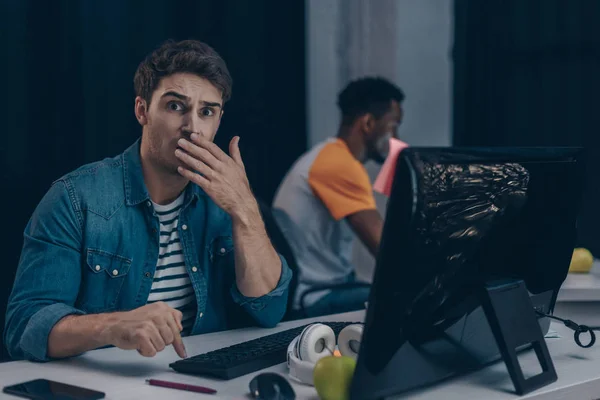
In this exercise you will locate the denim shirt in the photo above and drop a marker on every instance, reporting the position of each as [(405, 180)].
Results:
[(92, 244)]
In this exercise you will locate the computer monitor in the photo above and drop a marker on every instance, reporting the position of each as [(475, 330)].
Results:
[(458, 220)]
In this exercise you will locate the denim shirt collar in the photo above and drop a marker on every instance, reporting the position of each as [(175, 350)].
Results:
[(133, 178)]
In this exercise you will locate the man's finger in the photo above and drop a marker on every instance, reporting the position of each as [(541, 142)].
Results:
[(166, 332), (156, 339), (178, 316), (179, 346), (145, 348), (194, 163), (199, 152), (234, 150), (204, 143), (177, 341), (194, 177)]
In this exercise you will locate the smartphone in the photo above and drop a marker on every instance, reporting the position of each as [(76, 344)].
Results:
[(45, 389)]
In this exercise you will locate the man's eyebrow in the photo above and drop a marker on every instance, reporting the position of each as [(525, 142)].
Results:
[(175, 94), (210, 104), (185, 98)]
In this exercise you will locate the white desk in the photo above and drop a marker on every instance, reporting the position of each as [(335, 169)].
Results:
[(581, 287), (579, 297), (121, 374)]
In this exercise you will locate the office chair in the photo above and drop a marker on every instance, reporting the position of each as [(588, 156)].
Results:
[(282, 246)]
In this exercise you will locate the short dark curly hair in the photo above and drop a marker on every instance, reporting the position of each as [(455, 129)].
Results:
[(369, 95), (185, 56)]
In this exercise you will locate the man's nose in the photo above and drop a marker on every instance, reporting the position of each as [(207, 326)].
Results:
[(191, 125)]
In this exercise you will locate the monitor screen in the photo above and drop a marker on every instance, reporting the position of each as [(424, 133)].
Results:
[(457, 219)]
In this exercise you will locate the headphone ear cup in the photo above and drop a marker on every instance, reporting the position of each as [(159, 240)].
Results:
[(349, 340), (301, 371), (301, 337), (316, 342)]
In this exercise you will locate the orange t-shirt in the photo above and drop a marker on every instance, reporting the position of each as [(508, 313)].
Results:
[(340, 181)]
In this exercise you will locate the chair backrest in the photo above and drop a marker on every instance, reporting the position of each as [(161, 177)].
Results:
[(282, 247)]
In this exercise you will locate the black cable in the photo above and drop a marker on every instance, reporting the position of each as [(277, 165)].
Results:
[(578, 329)]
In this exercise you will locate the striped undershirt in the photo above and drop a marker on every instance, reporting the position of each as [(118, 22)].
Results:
[(171, 282)]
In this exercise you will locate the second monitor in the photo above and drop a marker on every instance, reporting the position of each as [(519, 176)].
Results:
[(467, 233)]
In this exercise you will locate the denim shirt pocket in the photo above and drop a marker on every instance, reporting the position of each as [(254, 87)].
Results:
[(103, 276), (220, 249)]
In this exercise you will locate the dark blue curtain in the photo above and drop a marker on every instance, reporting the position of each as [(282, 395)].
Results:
[(67, 71), (526, 73)]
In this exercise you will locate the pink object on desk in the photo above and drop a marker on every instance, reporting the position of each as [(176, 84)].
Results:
[(383, 183), (181, 386)]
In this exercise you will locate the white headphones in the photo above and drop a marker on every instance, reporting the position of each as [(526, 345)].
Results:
[(317, 341)]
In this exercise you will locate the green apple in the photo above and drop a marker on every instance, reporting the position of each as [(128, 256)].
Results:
[(581, 261), (332, 377)]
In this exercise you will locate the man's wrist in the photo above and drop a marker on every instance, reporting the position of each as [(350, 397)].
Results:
[(246, 215), (105, 328)]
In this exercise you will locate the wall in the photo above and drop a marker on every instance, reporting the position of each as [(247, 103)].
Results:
[(406, 41)]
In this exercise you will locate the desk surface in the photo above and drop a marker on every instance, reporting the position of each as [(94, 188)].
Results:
[(581, 287), (122, 374)]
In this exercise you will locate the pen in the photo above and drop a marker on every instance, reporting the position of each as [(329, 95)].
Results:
[(181, 386)]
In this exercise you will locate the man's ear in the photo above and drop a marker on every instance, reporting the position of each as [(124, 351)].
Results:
[(367, 123), (141, 111)]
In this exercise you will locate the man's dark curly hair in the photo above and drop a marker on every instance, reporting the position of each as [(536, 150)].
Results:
[(370, 95), (186, 56)]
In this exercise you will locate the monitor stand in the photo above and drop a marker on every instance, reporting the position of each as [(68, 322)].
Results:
[(511, 316)]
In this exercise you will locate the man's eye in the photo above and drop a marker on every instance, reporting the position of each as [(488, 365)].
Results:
[(207, 112), (174, 106)]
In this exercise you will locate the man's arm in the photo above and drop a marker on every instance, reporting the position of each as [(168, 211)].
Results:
[(343, 186), (368, 226), (253, 252), (41, 319), (48, 276), (76, 334), (148, 329), (262, 276), (257, 265)]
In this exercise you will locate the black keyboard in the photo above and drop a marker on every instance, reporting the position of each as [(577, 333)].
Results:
[(246, 357)]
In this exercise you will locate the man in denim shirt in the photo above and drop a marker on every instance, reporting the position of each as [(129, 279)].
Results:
[(95, 260)]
